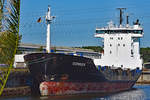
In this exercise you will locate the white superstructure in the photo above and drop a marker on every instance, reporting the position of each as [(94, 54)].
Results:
[(121, 45)]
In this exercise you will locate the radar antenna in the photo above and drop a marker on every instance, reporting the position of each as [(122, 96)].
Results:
[(121, 12)]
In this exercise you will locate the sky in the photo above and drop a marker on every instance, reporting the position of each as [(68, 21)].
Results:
[(76, 20)]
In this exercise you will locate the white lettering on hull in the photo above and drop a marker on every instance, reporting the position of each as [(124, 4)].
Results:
[(78, 64)]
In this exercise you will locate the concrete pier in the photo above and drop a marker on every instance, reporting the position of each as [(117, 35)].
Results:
[(17, 91)]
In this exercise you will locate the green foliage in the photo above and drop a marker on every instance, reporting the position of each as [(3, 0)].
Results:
[(7, 47), (40, 49), (14, 16), (94, 48), (1, 13), (145, 54), (9, 36)]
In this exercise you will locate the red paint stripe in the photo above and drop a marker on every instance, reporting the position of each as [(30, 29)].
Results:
[(73, 88)]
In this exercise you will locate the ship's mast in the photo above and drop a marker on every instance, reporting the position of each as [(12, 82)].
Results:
[(49, 19)]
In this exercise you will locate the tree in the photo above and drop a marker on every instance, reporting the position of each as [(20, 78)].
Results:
[(1, 12), (145, 53), (9, 39), (40, 49), (94, 48), (9, 35)]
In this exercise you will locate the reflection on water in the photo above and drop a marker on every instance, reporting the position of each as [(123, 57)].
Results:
[(134, 94), (139, 92)]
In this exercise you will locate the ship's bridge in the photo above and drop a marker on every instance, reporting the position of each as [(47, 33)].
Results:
[(121, 45), (135, 30)]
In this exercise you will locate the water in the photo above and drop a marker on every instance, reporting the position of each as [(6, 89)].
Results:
[(139, 92)]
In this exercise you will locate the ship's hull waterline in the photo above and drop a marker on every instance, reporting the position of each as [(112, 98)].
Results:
[(69, 88)]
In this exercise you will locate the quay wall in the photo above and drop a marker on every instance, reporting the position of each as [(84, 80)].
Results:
[(18, 83), (144, 78)]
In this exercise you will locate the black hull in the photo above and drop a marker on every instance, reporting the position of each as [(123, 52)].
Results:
[(60, 67)]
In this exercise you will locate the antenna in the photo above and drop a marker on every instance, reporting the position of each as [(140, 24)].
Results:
[(121, 12), (127, 19)]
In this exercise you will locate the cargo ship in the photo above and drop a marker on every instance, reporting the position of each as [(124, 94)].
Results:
[(117, 69)]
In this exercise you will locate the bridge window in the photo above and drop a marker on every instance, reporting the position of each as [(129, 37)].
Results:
[(111, 38), (100, 31), (138, 32), (135, 31), (119, 31)]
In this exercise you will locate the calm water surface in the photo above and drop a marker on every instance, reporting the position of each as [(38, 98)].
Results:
[(139, 92)]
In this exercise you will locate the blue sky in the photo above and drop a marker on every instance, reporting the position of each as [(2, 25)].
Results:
[(76, 20)]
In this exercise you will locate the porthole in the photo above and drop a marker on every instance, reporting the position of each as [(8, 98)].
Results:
[(110, 52)]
